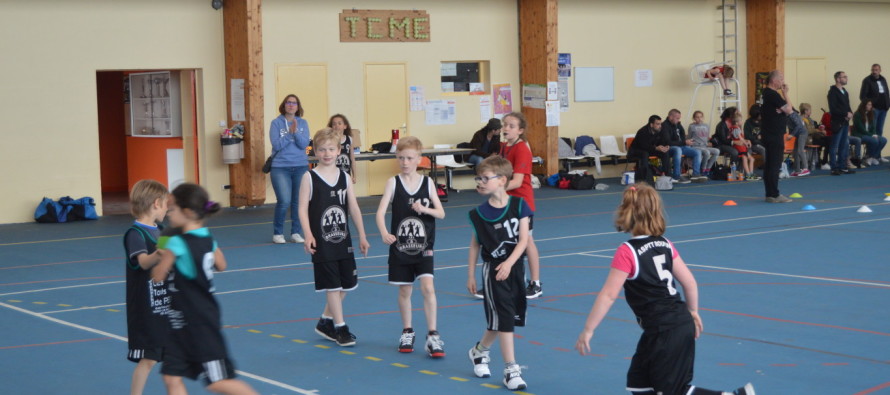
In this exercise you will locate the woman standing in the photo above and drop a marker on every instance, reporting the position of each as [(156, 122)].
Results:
[(289, 135)]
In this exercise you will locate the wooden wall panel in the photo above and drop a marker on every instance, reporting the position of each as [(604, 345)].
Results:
[(244, 60), (538, 47), (765, 32)]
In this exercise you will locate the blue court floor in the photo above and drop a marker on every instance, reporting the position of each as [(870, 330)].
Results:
[(793, 301)]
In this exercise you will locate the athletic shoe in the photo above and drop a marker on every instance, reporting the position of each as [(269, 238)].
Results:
[(681, 180), (748, 389), (513, 378), (848, 171), (755, 177), (884, 160), (728, 93), (826, 167), (533, 290), (480, 360), (278, 239), (479, 294), (297, 238), (435, 347), (795, 174), (778, 199), (344, 337), (699, 178), (325, 328), (804, 172), (874, 161), (835, 172), (406, 341)]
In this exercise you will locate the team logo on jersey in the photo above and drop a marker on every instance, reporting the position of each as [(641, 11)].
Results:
[(411, 236), (504, 249), (343, 161), (333, 225)]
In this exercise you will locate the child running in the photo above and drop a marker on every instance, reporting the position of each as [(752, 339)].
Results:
[(326, 203), (196, 347), (346, 159), (415, 207), (516, 150), (646, 266), (147, 301), (501, 233)]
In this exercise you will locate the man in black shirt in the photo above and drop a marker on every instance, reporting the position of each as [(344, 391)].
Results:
[(874, 88), (774, 114), (649, 142), (839, 107)]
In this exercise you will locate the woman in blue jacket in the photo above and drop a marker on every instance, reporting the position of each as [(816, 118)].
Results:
[(289, 135)]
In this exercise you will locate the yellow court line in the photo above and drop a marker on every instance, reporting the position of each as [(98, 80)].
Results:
[(428, 372), (14, 301), (39, 302), (277, 336), (299, 341), (113, 310), (254, 331), (461, 379), (399, 365), (322, 346), (375, 359), (347, 352), (490, 385)]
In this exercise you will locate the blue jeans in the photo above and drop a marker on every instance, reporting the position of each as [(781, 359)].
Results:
[(839, 149), (874, 146), (677, 152), (880, 116), (475, 160), (286, 183)]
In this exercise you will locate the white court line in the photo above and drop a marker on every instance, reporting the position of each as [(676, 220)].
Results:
[(124, 339), (552, 239)]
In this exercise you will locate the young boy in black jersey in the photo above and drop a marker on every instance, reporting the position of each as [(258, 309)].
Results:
[(501, 233), (326, 203), (147, 301), (415, 207), (646, 266)]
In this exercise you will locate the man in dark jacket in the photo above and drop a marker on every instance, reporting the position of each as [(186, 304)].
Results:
[(841, 113), (874, 88), (674, 132), (649, 142)]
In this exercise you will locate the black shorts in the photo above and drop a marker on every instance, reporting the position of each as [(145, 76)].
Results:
[(664, 360), (339, 275), (405, 274), (531, 224), (504, 301), (210, 371), (138, 354)]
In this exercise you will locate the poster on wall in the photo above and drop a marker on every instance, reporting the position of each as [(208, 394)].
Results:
[(564, 65), (415, 98), (534, 95), (484, 108), (237, 105), (552, 112), (440, 112), (563, 94), (643, 78), (503, 99)]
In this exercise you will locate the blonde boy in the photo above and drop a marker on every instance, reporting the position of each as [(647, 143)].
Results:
[(501, 233), (415, 207), (326, 203), (147, 301)]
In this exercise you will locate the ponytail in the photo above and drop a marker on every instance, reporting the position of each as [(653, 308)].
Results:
[(641, 211)]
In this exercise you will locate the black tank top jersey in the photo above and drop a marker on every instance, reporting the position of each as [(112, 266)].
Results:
[(652, 292), (329, 219), (343, 162), (415, 233), (147, 301), (498, 236), (195, 316)]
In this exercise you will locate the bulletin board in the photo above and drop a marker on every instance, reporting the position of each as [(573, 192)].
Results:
[(594, 84)]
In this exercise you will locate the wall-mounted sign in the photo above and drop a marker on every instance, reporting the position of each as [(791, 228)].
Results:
[(384, 26)]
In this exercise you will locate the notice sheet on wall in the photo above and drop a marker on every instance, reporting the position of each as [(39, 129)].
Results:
[(237, 95), (552, 110), (484, 108), (503, 99), (534, 95), (440, 112), (415, 98)]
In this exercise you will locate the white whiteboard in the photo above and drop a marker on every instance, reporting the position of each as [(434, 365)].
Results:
[(594, 84)]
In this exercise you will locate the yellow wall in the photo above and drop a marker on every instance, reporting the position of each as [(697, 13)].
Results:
[(53, 48)]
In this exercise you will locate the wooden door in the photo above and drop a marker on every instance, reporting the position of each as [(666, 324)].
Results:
[(386, 108)]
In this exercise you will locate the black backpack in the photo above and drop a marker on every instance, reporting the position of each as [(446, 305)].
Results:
[(582, 182), (720, 172)]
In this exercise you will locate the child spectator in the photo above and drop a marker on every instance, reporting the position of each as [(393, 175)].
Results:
[(741, 145), (346, 159), (720, 73), (516, 149), (326, 203), (752, 130), (646, 266), (196, 346), (501, 226), (699, 133), (415, 207), (147, 301)]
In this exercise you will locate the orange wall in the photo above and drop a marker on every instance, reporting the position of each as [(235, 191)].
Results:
[(147, 158), (112, 140)]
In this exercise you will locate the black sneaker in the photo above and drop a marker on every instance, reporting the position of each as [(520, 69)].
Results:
[(835, 172), (533, 290), (406, 341), (748, 389), (848, 171), (479, 294), (344, 338), (325, 328), (435, 347)]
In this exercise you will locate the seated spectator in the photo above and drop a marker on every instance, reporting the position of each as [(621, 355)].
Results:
[(742, 145), (649, 142), (674, 133), (485, 142), (816, 134), (698, 135), (864, 128), (723, 137), (752, 130)]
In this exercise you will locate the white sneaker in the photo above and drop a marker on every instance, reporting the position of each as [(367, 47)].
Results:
[(875, 162), (884, 160), (480, 360), (278, 239), (748, 389), (826, 167), (297, 238), (513, 378)]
